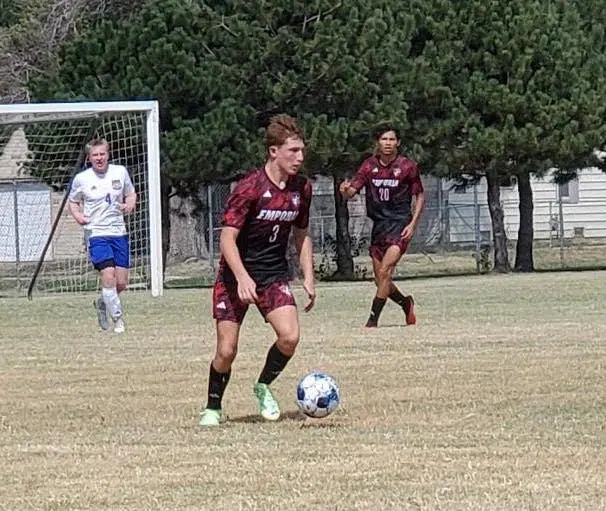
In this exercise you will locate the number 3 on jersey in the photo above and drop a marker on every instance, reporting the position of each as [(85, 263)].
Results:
[(274, 233), (384, 194)]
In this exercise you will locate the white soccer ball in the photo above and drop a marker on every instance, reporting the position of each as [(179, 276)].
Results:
[(318, 395)]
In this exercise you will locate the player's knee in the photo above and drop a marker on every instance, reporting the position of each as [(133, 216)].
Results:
[(226, 354), (108, 277), (288, 340), (385, 273), (120, 286)]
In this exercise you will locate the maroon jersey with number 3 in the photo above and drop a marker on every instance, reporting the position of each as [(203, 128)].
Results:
[(264, 214), (389, 192)]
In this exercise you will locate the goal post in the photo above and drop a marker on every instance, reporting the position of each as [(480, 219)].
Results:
[(41, 147)]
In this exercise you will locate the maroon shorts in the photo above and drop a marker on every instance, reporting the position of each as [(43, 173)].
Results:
[(379, 246), (227, 306)]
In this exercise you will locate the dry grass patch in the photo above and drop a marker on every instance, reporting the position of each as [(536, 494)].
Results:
[(496, 400)]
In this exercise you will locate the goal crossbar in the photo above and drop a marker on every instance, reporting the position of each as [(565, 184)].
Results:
[(40, 112)]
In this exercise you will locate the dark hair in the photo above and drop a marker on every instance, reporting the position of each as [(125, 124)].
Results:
[(384, 128), (281, 128)]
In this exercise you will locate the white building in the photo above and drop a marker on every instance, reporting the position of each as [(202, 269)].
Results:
[(27, 208), (582, 208)]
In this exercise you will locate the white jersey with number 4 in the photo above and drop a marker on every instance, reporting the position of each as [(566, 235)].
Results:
[(101, 196)]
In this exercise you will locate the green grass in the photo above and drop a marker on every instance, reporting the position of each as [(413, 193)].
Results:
[(495, 400)]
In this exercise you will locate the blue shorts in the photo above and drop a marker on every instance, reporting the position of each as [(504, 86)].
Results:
[(109, 251)]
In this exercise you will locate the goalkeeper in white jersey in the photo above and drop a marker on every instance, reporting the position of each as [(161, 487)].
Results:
[(99, 198)]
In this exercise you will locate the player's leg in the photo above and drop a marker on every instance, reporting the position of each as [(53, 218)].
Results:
[(229, 312), (228, 333), (406, 302), (277, 305), (376, 266), (110, 297), (114, 276), (285, 323), (101, 256), (121, 256), (122, 275), (384, 263), (100, 305), (117, 313), (394, 293)]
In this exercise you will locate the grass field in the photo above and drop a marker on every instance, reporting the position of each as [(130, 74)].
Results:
[(495, 400)]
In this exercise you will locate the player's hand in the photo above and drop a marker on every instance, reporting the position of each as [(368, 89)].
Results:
[(346, 189), (247, 290), (126, 208), (82, 220), (310, 289), (408, 231)]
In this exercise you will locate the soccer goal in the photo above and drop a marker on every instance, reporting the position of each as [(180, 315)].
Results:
[(42, 249)]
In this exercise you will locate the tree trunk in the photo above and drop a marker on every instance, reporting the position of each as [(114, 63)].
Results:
[(203, 208), (501, 258), (345, 265), (524, 260)]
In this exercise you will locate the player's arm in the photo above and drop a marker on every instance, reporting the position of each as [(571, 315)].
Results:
[(75, 210), (349, 188), (247, 288), (239, 204), (304, 246), (419, 203), (230, 251), (130, 196), (130, 203), (74, 203)]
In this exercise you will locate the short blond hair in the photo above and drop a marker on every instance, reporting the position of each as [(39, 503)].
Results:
[(96, 142)]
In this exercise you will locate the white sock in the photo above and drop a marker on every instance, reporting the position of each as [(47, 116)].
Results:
[(112, 302)]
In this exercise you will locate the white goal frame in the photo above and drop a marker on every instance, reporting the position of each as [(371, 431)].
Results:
[(151, 108)]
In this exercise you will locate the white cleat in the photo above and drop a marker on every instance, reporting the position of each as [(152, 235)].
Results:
[(119, 326)]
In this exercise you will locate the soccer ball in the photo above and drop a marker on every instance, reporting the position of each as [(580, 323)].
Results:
[(318, 395)]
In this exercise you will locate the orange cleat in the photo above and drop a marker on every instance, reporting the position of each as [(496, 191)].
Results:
[(409, 310)]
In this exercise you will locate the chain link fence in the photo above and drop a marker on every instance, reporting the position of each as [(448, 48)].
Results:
[(454, 236)]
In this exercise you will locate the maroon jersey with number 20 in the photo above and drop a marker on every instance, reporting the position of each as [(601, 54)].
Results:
[(389, 192), (264, 214)]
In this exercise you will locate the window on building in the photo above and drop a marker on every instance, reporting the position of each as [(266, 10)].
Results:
[(569, 192)]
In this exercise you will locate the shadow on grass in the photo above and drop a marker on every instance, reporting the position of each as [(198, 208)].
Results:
[(382, 326), (289, 416), (292, 415)]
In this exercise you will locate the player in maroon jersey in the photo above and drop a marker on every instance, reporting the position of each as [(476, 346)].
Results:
[(391, 181), (257, 222)]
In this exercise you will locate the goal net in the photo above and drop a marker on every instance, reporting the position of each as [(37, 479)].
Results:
[(42, 146)]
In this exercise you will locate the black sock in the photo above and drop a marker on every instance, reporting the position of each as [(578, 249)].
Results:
[(375, 311), (397, 296), (216, 387), (274, 364)]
